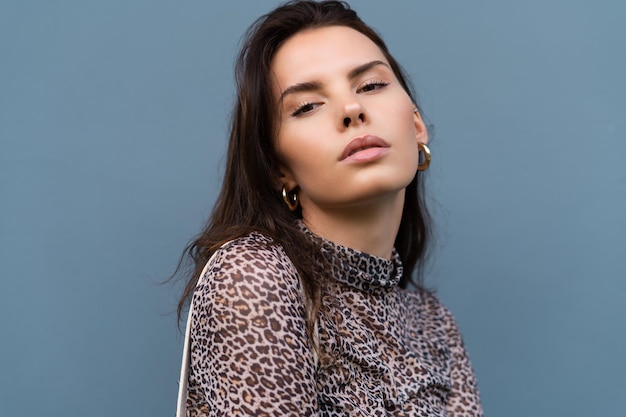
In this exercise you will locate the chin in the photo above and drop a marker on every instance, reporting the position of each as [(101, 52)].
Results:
[(386, 182), (378, 194)]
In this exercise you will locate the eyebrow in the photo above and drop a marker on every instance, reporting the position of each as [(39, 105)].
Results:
[(316, 85)]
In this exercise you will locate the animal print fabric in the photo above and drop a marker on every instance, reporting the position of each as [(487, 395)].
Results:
[(390, 351)]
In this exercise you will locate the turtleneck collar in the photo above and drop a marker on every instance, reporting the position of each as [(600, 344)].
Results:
[(355, 268)]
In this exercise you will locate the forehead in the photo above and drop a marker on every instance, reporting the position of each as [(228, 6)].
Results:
[(321, 52)]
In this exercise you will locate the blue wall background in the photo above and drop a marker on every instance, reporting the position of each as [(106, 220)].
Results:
[(113, 118)]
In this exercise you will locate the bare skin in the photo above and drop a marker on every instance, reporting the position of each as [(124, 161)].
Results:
[(347, 137)]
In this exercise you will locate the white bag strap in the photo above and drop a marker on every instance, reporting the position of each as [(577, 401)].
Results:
[(181, 404)]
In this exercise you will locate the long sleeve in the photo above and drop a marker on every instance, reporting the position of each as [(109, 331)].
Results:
[(250, 352), (464, 398)]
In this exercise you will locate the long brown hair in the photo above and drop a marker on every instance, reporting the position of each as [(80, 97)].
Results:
[(250, 198)]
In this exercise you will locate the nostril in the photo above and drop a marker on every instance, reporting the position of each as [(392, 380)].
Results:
[(346, 121), (361, 117)]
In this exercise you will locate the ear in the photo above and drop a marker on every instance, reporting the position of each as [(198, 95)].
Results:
[(421, 132), (286, 178)]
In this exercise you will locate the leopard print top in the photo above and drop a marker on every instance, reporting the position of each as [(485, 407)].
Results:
[(392, 352)]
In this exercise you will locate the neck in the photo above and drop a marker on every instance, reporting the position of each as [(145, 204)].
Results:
[(370, 228)]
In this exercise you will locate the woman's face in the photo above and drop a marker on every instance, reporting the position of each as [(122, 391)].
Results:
[(347, 131)]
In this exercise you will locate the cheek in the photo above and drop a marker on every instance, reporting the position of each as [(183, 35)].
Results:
[(285, 145), (402, 114), (285, 159), (296, 154)]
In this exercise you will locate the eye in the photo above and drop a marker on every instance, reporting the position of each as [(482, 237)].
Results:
[(373, 85), (304, 108)]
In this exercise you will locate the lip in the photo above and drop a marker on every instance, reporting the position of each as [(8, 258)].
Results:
[(362, 143)]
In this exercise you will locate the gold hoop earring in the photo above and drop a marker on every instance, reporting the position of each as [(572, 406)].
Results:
[(425, 161), (290, 200)]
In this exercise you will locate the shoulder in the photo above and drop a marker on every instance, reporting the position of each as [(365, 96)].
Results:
[(253, 263), (251, 251), (424, 300), (427, 309), (250, 349), (439, 331)]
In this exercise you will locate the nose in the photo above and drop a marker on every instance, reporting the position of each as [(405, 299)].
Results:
[(353, 114)]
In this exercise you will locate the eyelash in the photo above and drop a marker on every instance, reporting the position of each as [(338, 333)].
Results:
[(366, 88), (373, 85), (305, 107)]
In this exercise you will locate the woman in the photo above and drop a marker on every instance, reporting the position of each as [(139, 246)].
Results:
[(318, 229)]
